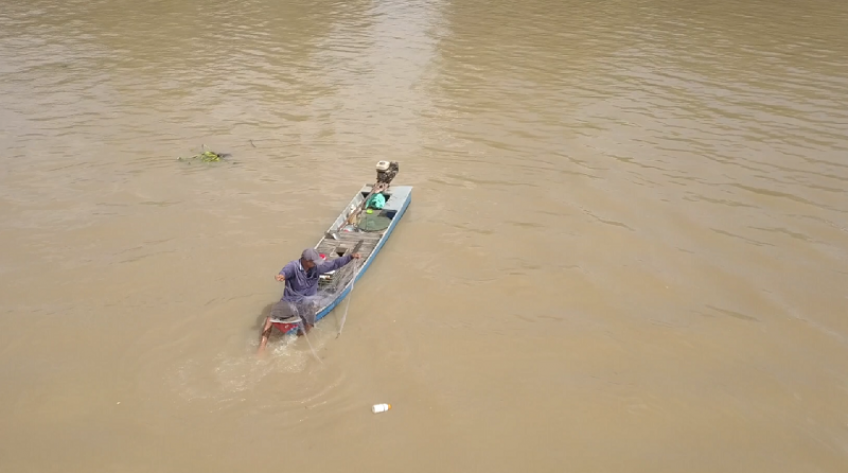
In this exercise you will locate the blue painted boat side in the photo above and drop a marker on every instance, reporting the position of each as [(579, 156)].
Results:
[(368, 262)]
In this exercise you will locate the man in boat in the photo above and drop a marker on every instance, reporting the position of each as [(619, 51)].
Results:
[(300, 299)]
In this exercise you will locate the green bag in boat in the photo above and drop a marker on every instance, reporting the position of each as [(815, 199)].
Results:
[(376, 201)]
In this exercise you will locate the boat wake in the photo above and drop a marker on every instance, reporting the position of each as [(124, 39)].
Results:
[(227, 376)]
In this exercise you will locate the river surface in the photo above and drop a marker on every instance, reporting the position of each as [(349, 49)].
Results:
[(627, 249)]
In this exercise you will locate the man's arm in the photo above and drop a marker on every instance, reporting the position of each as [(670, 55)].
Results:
[(286, 273), (336, 263)]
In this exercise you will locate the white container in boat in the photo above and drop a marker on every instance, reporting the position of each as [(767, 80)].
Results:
[(378, 408)]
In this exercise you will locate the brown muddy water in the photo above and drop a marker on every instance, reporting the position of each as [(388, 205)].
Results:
[(627, 249)]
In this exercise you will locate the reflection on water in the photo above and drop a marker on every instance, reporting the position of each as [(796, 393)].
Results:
[(627, 248)]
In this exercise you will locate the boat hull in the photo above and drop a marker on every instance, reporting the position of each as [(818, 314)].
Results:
[(396, 208)]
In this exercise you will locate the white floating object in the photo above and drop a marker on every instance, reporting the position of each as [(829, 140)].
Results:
[(378, 408)]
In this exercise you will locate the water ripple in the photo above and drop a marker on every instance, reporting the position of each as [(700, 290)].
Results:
[(667, 175)]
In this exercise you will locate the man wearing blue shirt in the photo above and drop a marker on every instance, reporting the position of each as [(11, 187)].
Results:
[(301, 279)]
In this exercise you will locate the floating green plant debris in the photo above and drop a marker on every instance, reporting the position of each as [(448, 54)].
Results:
[(207, 157)]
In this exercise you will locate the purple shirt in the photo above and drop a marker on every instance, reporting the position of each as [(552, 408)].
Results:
[(301, 283)]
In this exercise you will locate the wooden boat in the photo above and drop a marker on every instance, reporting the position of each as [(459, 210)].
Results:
[(356, 230)]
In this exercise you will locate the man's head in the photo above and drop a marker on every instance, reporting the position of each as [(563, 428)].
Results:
[(310, 258)]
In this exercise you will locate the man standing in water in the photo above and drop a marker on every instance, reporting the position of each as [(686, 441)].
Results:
[(299, 299)]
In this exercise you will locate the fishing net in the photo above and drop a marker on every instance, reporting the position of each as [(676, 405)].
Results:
[(331, 285), (373, 222)]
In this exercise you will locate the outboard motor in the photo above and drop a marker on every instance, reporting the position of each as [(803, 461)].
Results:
[(386, 171)]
